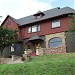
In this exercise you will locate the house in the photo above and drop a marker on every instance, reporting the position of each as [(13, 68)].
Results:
[(48, 28)]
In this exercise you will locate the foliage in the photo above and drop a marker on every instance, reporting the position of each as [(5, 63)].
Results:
[(72, 23), (7, 37), (53, 64), (26, 45)]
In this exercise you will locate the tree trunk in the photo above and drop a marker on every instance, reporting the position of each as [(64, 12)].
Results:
[(1, 50)]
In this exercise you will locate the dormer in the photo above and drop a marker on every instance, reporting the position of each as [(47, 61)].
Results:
[(39, 14)]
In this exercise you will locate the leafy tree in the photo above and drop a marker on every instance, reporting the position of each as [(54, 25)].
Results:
[(72, 23), (7, 37)]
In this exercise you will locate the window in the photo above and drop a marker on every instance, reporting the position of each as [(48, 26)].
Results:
[(34, 28), (55, 42), (29, 30), (12, 48), (38, 17), (55, 23), (38, 27)]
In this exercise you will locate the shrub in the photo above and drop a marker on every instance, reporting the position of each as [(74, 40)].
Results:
[(22, 59)]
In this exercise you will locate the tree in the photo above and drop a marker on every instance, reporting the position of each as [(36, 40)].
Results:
[(72, 23), (0, 17), (7, 37)]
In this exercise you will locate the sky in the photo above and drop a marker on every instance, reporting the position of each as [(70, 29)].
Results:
[(23, 8)]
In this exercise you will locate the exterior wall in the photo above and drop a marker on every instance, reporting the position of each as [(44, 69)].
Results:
[(47, 31), (17, 51), (56, 50), (12, 24), (46, 28), (70, 41), (60, 35)]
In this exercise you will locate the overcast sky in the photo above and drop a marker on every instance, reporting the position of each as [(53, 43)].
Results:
[(22, 8)]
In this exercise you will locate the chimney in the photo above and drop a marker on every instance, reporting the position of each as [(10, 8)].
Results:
[(58, 7)]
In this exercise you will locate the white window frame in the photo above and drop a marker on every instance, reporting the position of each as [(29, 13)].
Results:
[(12, 48), (29, 30), (55, 41), (55, 23), (34, 28), (38, 17), (38, 27)]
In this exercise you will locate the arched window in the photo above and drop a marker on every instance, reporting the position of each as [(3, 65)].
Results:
[(55, 42)]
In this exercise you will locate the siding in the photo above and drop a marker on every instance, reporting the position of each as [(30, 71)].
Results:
[(46, 28), (12, 24)]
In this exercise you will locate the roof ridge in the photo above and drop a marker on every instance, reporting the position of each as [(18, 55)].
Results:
[(48, 14), (33, 14), (45, 11)]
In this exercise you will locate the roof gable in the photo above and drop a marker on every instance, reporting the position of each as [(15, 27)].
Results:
[(11, 18)]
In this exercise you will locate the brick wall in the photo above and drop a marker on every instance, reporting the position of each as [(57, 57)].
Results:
[(56, 50)]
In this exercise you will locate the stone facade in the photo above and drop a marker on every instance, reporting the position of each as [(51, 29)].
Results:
[(56, 50), (60, 35)]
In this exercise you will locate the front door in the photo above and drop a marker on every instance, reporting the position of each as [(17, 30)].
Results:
[(36, 44)]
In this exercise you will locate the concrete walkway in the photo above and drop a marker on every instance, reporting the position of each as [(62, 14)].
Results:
[(14, 61), (10, 61)]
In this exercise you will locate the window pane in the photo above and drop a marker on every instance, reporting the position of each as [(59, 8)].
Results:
[(38, 27), (34, 28), (55, 42), (55, 39), (29, 30), (56, 23), (38, 17)]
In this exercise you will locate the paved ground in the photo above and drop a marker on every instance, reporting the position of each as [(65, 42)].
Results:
[(14, 61)]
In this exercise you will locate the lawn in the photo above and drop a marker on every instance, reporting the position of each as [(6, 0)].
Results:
[(54, 64)]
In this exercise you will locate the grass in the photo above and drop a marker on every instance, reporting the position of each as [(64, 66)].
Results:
[(54, 64)]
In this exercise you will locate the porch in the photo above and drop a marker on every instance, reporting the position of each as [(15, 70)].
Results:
[(36, 46)]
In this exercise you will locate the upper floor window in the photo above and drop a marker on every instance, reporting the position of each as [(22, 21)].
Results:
[(55, 23), (55, 42), (34, 28), (38, 27), (29, 30), (38, 17)]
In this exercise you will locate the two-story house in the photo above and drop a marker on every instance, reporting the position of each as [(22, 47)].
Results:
[(48, 29)]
